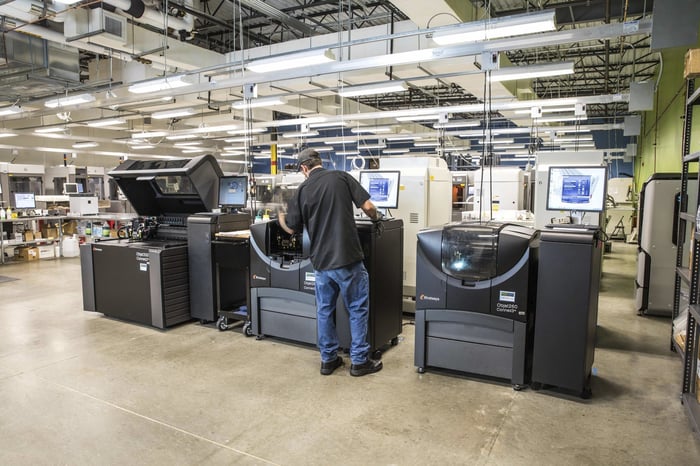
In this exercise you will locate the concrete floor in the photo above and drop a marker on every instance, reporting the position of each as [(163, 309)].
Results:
[(79, 388)]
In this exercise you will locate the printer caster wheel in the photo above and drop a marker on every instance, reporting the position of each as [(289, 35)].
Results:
[(377, 354), (517, 387), (248, 329), (420, 370), (394, 341), (222, 323)]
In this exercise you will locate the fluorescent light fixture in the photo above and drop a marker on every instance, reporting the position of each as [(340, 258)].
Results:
[(300, 134), (247, 131), (174, 113), (494, 28), (156, 85), (575, 139), (142, 146), (179, 137), (426, 144), (241, 162), (348, 152), (457, 124), (285, 145), (533, 71), (85, 144), (151, 134), (11, 110), (239, 139), (322, 149), (194, 150), (233, 148), (561, 119), (371, 129), (399, 137), (256, 103), (50, 129), (106, 122), (395, 151), (186, 144), (372, 89), (578, 130), (371, 146), (495, 141), (418, 117), (527, 111), (6, 134), (328, 124), (230, 153), (70, 100), (67, 2), (291, 61), (216, 129)]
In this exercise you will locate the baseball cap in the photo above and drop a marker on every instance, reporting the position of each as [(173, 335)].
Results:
[(306, 155)]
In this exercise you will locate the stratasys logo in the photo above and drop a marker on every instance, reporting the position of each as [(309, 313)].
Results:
[(423, 297), (258, 277)]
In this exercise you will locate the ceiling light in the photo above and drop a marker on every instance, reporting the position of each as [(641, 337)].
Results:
[(178, 137), (70, 100), (151, 134), (285, 145), (216, 129), (162, 84), (328, 124), (574, 130), (241, 162), (186, 144), (230, 153), (371, 129), (85, 144), (247, 131), (291, 61), (300, 134), (494, 28), (5, 134), (395, 151), (240, 139), (528, 111), (348, 152), (142, 146), (418, 117), (11, 110), (255, 103), (495, 141), (399, 137), (50, 129), (194, 150), (588, 137), (174, 113), (533, 71), (371, 146), (106, 122), (563, 118), (372, 89), (322, 149), (67, 2), (427, 144), (457, 124), (233, 148)]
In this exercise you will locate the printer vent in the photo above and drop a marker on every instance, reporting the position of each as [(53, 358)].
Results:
[(414, 217)]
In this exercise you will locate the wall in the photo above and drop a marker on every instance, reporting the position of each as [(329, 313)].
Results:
[(662, 130)]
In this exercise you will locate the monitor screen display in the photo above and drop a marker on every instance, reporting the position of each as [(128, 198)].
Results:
[(233, 191), (24, 201), (382, 186), (70, 188), (80, 187), (577, 188)]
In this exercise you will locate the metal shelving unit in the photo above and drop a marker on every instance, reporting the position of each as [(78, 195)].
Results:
[(691, 275)]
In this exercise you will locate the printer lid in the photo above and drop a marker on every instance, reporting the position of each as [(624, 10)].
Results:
[(170, 187)]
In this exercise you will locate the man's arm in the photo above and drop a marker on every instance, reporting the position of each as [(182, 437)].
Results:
[(282, 218), (370, 210)]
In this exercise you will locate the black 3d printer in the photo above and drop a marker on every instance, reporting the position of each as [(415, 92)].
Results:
[(475, 292), (143, 277)]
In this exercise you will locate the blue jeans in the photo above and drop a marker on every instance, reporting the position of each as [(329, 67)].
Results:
[(352, 282)]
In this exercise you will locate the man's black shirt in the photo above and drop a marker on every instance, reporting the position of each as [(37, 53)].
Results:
[(324, 203)]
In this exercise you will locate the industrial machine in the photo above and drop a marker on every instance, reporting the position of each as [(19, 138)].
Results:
[(143, 277), (568, 282), (659, 204), (475, 299), (282, 280)]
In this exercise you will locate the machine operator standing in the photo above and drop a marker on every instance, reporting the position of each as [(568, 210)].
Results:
[(324, 205)]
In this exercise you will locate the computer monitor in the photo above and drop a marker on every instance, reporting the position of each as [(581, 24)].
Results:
[(233, 191), (382, 186), (577, 188), (24, 201), (70, 188), (80, 188)]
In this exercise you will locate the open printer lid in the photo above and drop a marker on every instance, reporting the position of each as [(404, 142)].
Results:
[(170, 187)]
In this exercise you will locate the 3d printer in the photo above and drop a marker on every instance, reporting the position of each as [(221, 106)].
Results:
[(475, 293)]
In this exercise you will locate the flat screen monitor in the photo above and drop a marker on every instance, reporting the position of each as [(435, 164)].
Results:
[(24, 201), (576, 188), (233, 191), (382, 186), (70, 188), (80, 188)]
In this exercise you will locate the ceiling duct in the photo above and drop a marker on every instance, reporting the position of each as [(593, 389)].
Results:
[(100, 26)]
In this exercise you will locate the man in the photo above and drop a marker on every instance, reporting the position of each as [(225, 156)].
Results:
[(324, 205)]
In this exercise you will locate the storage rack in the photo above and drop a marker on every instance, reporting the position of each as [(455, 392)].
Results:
[(691, 275)]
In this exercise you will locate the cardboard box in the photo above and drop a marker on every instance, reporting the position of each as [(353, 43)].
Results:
[(46, 251), (37, 235), (49, 232), (70, 227), (692, 64), (28, 235), (27, 254)]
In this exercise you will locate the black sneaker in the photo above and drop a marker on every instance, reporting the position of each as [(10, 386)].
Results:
[(369, 367), (327, 368)]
